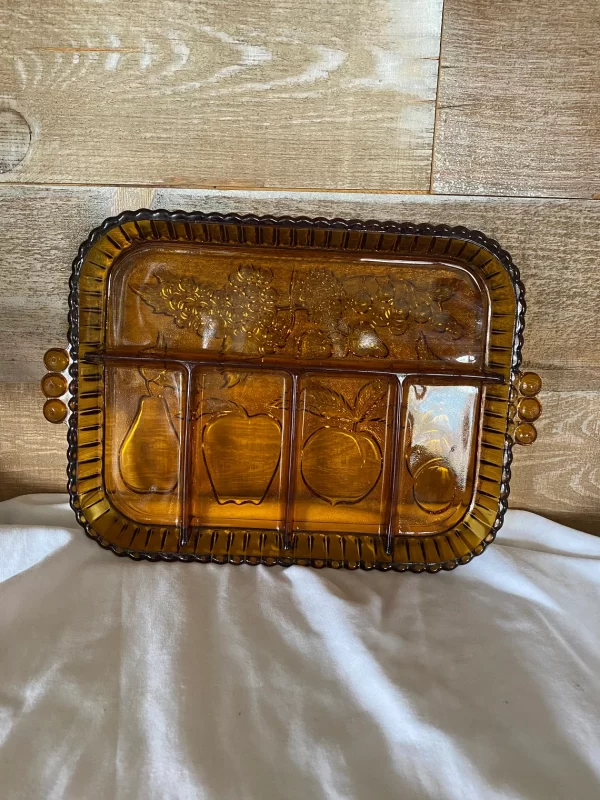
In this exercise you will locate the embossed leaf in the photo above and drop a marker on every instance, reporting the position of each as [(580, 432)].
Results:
[(353, 284), (444, 290), (159, 377), (371, 402), (231, 379), (180, 298), (217, 405), (325, 402), (152, 294)]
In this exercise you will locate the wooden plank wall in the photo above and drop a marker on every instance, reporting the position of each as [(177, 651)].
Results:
[(481, 114)]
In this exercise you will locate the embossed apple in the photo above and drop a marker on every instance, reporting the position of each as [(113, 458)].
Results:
[(341, 466), (241, 454)]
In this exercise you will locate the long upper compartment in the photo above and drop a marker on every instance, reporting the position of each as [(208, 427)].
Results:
[(219, 303)]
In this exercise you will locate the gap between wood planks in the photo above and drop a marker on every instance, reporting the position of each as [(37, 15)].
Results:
[(437, 102), (242, 187)]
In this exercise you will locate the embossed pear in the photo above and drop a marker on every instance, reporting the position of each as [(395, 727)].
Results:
[(149, 455)]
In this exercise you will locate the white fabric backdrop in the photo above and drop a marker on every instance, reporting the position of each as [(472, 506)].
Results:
[(171, 681)]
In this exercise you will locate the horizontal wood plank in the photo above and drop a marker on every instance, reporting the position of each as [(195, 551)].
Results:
[(559, 475), (289, 94), (518, 99), (40, 234), (554, 243), (33, 453)]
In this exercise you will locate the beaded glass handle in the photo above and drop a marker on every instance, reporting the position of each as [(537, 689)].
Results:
[(55, 384), (526, 408)]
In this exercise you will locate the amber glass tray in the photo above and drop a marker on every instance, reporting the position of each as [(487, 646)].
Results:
[(276, 390)]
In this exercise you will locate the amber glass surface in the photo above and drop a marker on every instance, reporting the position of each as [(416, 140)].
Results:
[(55, 410), (292, 391), (56, 359), (54, 384)]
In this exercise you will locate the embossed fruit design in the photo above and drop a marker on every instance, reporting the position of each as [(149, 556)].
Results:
[(321, 314), (434, 486), (375, 305), (434, 480), (244, 315), (341, 467), (341, 463), (241, 452), (149, 455)]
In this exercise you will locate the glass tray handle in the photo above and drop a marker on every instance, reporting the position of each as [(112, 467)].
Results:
[(526, 408), (55, 384)]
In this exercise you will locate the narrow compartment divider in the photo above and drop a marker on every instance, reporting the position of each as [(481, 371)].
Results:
[(391, 369), (186, 481), (291, 483), (392, 511)]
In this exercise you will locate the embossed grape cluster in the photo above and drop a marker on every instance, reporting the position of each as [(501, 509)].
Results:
[(248, 306), (394, 306), (321, 293)]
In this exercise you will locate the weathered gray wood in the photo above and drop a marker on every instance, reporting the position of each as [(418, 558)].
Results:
[(559, 475), (518, 99), (40, 231), (33, 453), (294, 93)]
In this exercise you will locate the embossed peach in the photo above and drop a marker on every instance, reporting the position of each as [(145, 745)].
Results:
[(341, 466)]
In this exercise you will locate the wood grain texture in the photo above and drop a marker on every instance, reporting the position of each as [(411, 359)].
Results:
[(40, 233), (33, 453), (15, 139), (518, 100), (295, 93), (559, 475), (554, 243)]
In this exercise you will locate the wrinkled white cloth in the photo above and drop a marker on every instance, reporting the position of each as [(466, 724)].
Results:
[(174, 681)]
